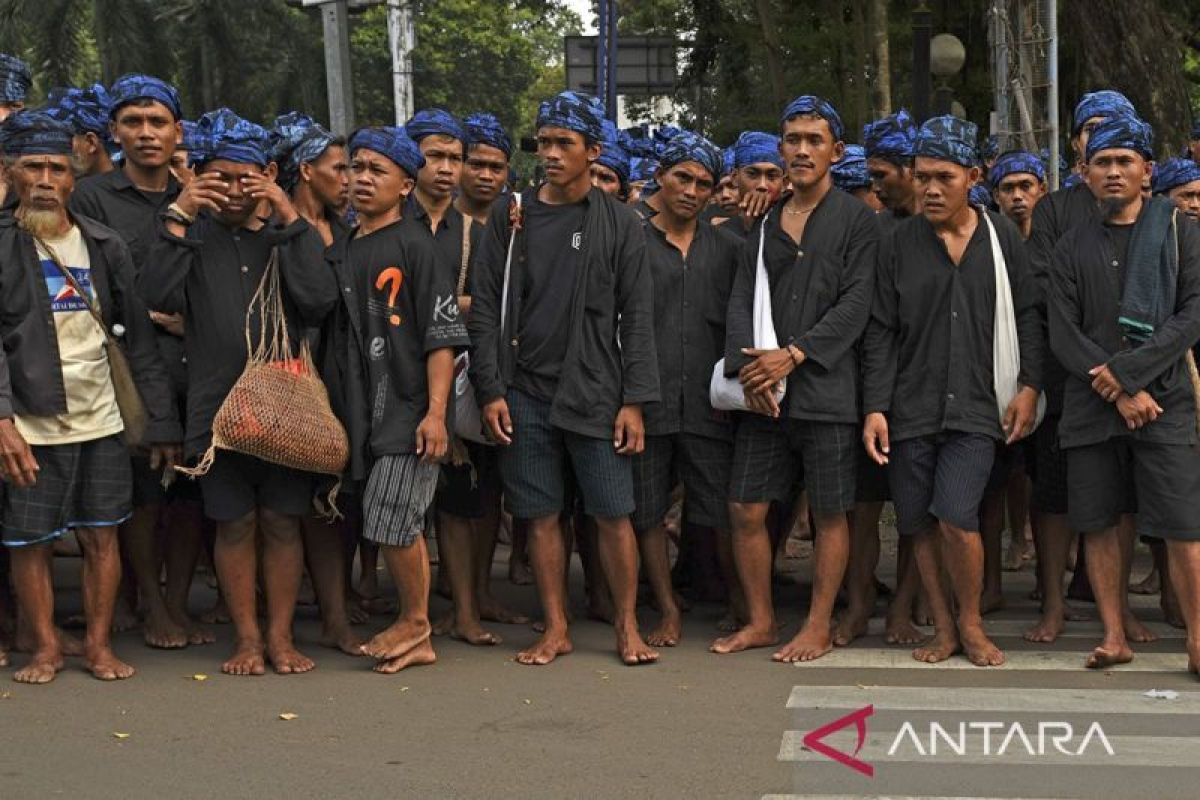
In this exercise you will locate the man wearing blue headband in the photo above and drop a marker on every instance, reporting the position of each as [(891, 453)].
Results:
[(208, 256), (818, 246), (15, 80), (692, 265), (442, 140), (931, 407), (564, 368), (65, 465), (485, 170), (1179, 180), (851, 176), (86, 111), (889, 145), (1124, 315), (611, 169), (1018, 179), (758, 175), (143, 120)]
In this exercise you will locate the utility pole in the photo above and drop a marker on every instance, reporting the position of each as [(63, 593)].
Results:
[(336, 24), (606, 56), (403, 39)]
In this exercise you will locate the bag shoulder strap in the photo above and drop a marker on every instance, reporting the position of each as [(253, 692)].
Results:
[(466, 253), (512, 242), (74, 284)]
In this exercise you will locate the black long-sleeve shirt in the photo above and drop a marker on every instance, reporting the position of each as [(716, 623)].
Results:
[(928, 347), (211, 276), (612, 298), (690, 297), (1054, 215), (820, 299), (1088, 282)]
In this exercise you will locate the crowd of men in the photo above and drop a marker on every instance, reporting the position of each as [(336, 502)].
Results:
[(912, 319)]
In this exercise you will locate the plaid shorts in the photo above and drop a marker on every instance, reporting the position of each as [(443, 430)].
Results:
[(769, 457), (80, 485), (396, 498), (701, 463)]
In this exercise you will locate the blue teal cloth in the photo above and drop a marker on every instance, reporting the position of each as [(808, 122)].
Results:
[(1173, 172), (1044, 155), (756, 147), (894, 136), (980, 195), (637, 143), (484, 128), (850, 172), (1104, 103), (1015, 161), (642, 169), (1123, 132), (1151, 272), (86, 110), (1074, 179), (224, 135), (394, 143), (689, 146), (612, 155), (35, 133), (990, 149), (574, 111), (811, 104), (128, 88), (662, 136), (948, 138), (296, 139), (15, 79), (727, 160), (429, 121)]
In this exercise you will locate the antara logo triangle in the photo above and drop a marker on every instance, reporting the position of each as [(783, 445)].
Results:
[(813, 740)]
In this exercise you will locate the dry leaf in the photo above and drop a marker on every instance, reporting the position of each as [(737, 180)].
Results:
[(199, 676), (527, 701), (120, 735), (288, 715), (404, 688)]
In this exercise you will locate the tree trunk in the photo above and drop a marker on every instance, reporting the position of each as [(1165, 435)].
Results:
[(881, 94), (766, 15), (862, 64)]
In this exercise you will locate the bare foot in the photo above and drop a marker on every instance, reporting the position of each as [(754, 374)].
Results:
[(1071, 614), (1047, 629), (921, 615), (668, 633), (492, 611), (123, 617), (1017, 557), (729, 623), (939, 648), (990, 602), (160, 631), (3, 657), (1173, 616), (41, 668), (539, 625), (354, 608), (900, 630), (1193, 649), (471, 632), (105, 666), (196, 633), (68, 645), (633, 650), (286, 659), (1136, 631), (1109, 654), (746, 638), (377, 605), (851, 625), (247, 659), (444, 624), (341, 637), (519, 573), (980, 650), (549, 647), (420, 655), (397, 639), (1147, 585), (600, 607), (217, 615), (812, 642)]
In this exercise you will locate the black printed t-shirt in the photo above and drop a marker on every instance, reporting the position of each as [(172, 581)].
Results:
[(554, 235), (410, 309)]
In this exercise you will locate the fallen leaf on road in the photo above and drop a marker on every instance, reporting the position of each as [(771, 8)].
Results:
[(527, 701), (404, 688), (199, 676), (120, 735), (288, 715), (1163, 694)]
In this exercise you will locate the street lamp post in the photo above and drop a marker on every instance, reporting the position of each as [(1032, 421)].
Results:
[(946, 57), (921, 28)]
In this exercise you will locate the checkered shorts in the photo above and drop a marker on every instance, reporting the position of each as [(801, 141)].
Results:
[(771, 455), (701, 463), (80, 485), (397, 495)]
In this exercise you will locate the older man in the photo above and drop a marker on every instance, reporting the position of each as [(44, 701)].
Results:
[(1179, 180), (15, 81), (64, 464), (87, 112)]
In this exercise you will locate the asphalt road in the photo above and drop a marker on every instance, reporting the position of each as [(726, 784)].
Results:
[(696, 725)]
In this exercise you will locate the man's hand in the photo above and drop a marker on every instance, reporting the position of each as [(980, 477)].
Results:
[(497, 420), (1021, 415), (629, 432), (875, 437), (171, 323), (165, 456), (768, 368), (1105, 384), (203, 192), (264, 188), (1138, 410), (432, 438), (755, 204), (762, 402), (17, 464), (183, 174)]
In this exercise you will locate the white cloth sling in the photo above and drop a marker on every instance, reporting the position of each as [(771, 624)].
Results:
[(727, 394)]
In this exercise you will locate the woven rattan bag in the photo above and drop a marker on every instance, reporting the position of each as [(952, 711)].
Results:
[(278, 410)]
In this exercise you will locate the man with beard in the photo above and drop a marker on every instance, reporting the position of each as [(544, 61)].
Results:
[(932, 405), (207, 261), (1124, 314), (87, 112), (1179, 180), (62, 460), (563, 361), (818, 245)]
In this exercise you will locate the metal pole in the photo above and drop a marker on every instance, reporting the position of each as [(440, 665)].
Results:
[(602, 49), (402, 40), (998, 34), (610, 97), (1052, 89), (336, 24), (921, 78)]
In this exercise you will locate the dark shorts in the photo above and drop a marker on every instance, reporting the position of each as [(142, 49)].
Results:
[(702, 464), (1047, 466), (81, 485), (871, 484), (397, 496), (534, 467), (1160, 482), (770, 455), (467, 490), (238, 484), (148, 489), (942, 477), (1009, 458)]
